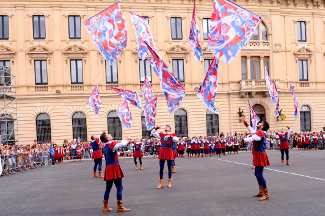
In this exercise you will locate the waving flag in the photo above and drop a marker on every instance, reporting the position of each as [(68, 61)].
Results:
[(272, 90), (141, 27), (276, 114), (94, 100), (173, 102), (231, 26), (150, 111), (209, 87), (295, 101), (108, 31), (195, 37), (254, 117), (124, 113), (132, 97), (147, 92)]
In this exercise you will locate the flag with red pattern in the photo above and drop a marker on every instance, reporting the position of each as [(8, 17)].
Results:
[(150, 111), (195, 37), (141, 27), (132, 97), (108, 31), (209, 87), (254, 117), (295, 101), (124, 113), (231, 27), (147, 91), (94, 100)]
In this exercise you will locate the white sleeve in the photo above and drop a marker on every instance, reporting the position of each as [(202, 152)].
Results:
[(289, 132), (253, 138), (155, 133), (175, 139), (251, 130), (120, 145)]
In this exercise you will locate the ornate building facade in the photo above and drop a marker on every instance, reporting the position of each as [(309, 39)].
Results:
[(56, 65)]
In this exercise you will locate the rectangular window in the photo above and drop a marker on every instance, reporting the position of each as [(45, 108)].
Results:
[(303, 70), (40, 72), (76, 71), (145, 70), (4, 77), (176, 28), (74, 27), (4, 28), (207, 63), (206, 28), (301, 31), (255, 68), (266, 65), (243, 68), (178, 69), (111, 73), (39, 27)]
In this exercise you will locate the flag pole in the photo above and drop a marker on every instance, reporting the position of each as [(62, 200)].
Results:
[(98, 79)]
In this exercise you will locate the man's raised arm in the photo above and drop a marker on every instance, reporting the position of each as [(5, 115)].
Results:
[(155, 133)]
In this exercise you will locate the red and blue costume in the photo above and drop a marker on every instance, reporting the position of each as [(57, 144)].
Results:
[(113, 172), (97, 155), (260, 158), (284, 145), (166, 151), (206, 147), (138, 153), (181, 148), (189, 147)]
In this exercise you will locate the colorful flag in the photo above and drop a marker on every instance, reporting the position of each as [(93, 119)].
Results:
[(173, 88), (147, 92), (295, 101), (272, 90), (124, 113), (195, 37), (173, 102), (254, 117), (108, 31), (132, 97), (150, 111), (168, 82), (94, 100), (209, 87), (141, 27), (276, 114), (231, 27)]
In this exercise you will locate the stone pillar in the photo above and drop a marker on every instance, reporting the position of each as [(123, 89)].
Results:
[(262, 69), (248, 67)]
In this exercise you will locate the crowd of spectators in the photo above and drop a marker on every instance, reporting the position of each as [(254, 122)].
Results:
[(18, 158)]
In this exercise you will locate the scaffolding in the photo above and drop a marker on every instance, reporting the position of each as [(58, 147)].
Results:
[(8, 107)]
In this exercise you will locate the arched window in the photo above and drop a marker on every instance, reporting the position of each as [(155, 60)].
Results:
[(260, 32), (7, 129), (145, 133), (43, 128), (79, 126), (212, 120), (180, 118), (305, 119), (114, 126), (259, 111)]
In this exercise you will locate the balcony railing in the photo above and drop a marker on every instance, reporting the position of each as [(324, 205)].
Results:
[(253, 85), (255, 44), (190, 88)]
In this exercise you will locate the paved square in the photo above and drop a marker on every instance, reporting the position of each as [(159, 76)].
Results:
[(201, 186)]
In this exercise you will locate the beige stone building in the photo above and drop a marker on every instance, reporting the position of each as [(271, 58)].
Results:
[(56, 65)]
